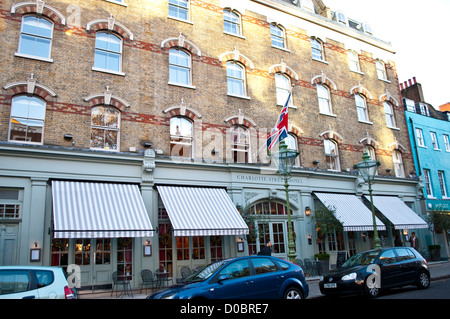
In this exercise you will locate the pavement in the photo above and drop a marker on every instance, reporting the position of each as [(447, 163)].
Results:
[(438, 270)]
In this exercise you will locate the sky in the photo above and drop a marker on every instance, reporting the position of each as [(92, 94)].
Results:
[(419, 32)]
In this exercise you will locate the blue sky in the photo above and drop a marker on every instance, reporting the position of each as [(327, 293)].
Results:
[(419, 32)]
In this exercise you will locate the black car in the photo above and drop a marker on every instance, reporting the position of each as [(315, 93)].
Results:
[(370, 272)]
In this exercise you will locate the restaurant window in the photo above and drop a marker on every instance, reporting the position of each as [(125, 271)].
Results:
[(60, 252), (125, 256), (165, 247), (83, 252), (216, 248), (182, 248), (105, 128), (27, 119), (181, 137), (103, 251), (198, 247)]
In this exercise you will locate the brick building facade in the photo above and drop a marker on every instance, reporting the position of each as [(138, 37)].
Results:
[(219, 66)]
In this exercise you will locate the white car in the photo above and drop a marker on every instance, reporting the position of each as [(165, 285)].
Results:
[(34, 282)]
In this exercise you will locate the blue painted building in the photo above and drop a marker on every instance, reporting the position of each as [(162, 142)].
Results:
[(429, 131)]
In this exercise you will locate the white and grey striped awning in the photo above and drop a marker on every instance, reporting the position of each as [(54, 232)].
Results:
[(350, 211), (398, 213), (99, 210), (201, 211)]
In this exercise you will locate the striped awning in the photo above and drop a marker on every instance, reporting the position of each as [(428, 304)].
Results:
[(350, 211), (397, 212), (201, 211), (99, 210)]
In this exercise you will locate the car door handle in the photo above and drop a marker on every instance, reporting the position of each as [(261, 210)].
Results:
[(280, 277), (248, 283), (29, 297)]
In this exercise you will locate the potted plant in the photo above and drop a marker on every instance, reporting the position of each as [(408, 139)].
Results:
[(324, 260), (435, 251)]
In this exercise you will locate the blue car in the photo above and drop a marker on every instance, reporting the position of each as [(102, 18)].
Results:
[(255, 277)]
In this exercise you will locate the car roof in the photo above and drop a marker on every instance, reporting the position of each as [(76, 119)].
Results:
[(29, 267)]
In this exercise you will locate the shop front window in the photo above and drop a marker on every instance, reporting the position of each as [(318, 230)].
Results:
[(215, 244), (83, 252), (103, 251), (60, 252), (125, 257), (165, 247)]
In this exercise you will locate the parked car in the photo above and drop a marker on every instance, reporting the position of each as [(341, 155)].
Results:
[(34, 282), (254, 277), (372, 271)]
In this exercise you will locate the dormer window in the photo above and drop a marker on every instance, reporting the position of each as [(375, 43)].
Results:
[(367, 28), (340, 17)]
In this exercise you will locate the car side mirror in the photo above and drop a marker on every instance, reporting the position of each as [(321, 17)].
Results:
[(222, 278)]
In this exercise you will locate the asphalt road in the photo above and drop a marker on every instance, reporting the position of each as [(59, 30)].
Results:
[(439, 289)]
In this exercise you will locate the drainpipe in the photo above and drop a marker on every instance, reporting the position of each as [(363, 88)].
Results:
[(415, 146)]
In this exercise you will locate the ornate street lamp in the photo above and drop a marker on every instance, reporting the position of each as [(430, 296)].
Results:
[(368, 169), (284, 159)]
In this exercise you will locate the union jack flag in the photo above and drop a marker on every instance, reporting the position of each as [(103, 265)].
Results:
[(280, 131)]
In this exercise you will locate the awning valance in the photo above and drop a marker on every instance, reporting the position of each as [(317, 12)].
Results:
[(350, 211), (201, 211), (99, 210), (398, 213)]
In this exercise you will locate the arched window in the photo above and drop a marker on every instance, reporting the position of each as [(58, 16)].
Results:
[(381, 70), (105, 128), (108, 52), (231, 22), (317, 49), (371, 152), (36, 37), (240, 144), (179, 67), (323, 94), (331, 155), (292, 144), (27, 119), (283, 87), (278, 36), (361, 108), (181, 136), (236, 78), (353, 61), (398, 163), (389, 114)]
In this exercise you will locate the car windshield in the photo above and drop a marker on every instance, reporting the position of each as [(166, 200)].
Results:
[(204, 273), (361, 259)]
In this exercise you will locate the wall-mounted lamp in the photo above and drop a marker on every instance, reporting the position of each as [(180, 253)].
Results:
[(316, 162), (308, 211), (388, 171), (405, 232)]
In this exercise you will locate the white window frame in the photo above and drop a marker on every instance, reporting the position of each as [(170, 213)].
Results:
[(324, 99), (389, 115), (419, 137), (317, 50), (283, 88), (18, 118), (447, 143), (424, 110), (361, 108), (176, 4), (182, 136), (179, 67), (331, 151), (370, 150), (353, 61), (108, 51), (398, 163), (105, 129), (231, 76), (442, 183), (277, 35), (232, 18), (240, 144), (427, 182), (410, 105), (381, 70), (434, 141), (20, 51)]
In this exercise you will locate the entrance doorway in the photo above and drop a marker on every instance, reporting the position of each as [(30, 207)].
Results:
[(8, 243), (190, 252)]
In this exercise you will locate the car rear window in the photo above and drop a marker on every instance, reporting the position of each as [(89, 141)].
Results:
[(44, 278), (263, 265), (14, 281)]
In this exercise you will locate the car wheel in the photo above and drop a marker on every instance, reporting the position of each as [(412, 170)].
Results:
[(370, 288), (293, 293), (423, 281)]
